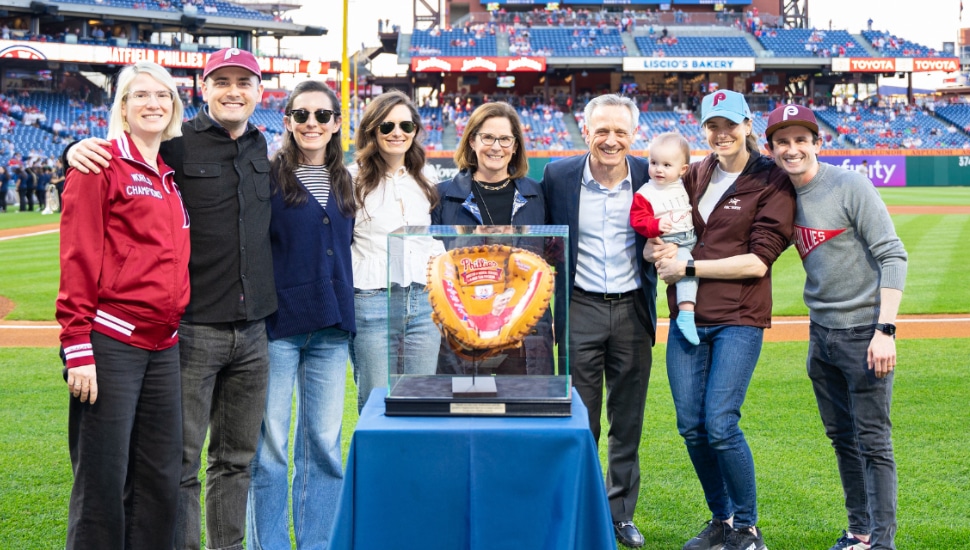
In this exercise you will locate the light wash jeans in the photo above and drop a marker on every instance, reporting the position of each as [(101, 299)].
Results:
[(414, 336), (709, 382), (854, 406), (315, 366)]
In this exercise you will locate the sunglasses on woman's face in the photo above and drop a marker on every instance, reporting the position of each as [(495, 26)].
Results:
[(302, 115), (407, 127)]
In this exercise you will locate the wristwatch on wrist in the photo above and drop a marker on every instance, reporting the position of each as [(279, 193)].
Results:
[(689, 270), (888, 329)]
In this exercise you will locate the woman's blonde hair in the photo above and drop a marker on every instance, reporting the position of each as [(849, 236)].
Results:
[(116, 120)]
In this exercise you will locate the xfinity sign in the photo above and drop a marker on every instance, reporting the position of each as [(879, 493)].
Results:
[(688, 64)]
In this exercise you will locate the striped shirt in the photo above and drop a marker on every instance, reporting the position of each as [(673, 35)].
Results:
[(316, 179)]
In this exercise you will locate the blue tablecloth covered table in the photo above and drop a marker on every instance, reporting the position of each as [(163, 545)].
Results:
[(476, 483)]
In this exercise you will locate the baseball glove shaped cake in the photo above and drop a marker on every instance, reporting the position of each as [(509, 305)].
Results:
[(486, 299)]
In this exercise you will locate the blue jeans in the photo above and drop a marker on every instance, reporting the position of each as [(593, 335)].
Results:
[(224, 373), (407, 339), (854, 406), (708, 382), (315, 364)]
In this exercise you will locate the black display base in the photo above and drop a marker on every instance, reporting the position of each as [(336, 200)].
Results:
[(515, 396), (473, 386)]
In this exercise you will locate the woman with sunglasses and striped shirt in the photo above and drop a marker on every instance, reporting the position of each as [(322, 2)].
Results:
[(393, 187), (309, 335)]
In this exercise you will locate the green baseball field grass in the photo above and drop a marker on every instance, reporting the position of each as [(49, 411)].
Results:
[(800, 500)]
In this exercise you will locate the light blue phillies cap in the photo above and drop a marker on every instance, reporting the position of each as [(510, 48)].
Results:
[(727, 104)]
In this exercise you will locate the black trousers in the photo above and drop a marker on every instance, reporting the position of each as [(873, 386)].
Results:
[(126, 451), (609, 342), (26, 198)]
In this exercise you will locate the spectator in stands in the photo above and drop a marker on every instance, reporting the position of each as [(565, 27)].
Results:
[(492, 188), (222, 165), (709, 381), (310, 333), (26, 186), (118, 326), (393, 187)]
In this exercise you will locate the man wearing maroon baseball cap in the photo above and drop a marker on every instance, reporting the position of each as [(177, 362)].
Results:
[(222, 168), (232, 57), (855, 268)]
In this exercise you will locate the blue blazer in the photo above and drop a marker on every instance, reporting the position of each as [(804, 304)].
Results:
[(457, 205), (561, 183)]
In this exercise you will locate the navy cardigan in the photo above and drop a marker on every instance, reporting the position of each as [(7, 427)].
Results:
[(312, 266)]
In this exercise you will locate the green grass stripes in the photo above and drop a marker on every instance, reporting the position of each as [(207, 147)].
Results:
[(30, 275), (938, 245)]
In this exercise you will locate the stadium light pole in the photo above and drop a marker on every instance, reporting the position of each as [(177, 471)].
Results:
[(344, 83)]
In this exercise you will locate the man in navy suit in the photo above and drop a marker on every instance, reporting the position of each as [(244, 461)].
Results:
[(612, 292)]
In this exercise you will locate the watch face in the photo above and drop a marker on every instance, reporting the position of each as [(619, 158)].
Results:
[(886, 328)]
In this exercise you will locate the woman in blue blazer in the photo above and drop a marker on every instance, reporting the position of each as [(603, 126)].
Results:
[(491, 188)]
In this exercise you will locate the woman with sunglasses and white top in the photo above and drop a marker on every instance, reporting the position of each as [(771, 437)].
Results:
[(393, 187), (492, 188), (309, 335)]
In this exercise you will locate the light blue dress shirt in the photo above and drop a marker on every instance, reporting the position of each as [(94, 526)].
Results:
[(606, 260)]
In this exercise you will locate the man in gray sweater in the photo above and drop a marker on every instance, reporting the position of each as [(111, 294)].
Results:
[(856, 268)]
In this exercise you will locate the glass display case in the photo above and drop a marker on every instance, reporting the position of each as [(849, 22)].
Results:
[(491, 293)]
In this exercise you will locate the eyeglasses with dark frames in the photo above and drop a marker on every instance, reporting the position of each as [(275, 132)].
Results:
[(488, 140), (407, 126), (323, 116)]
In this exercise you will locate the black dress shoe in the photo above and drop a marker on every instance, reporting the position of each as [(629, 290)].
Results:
[(628, 534)]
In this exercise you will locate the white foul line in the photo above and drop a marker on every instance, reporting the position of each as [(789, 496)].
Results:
[(29, 234)]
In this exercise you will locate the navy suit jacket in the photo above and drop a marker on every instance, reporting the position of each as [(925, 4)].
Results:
[(561, 182)]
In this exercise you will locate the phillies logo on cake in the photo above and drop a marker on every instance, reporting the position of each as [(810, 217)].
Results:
[(808, 239)]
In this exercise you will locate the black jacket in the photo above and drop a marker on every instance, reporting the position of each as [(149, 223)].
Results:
[(226, 188)]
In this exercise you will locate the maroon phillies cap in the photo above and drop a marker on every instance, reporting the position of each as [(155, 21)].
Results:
[(791, 115), (232, 57)]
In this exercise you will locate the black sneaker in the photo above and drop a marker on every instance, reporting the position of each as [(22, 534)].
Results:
[(711, 538), (846, 542), (744, 539)]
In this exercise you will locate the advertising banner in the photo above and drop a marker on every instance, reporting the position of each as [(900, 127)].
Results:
[(883, 171), (442, 64), (689, 64), (115, 55)]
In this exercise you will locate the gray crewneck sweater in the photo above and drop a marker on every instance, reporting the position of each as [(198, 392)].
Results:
[(848, 246)]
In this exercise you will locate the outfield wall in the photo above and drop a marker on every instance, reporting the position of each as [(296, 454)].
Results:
[(919, 168)]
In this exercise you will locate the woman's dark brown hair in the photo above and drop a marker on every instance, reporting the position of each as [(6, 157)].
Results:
[(289, 157), (372, 166)]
